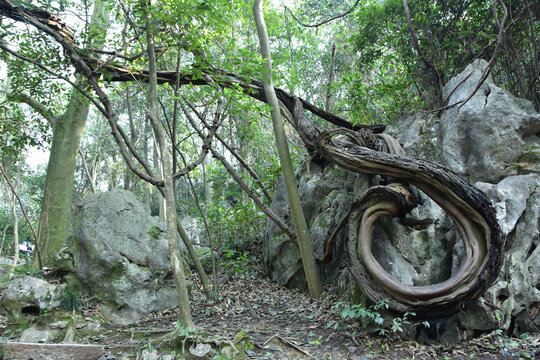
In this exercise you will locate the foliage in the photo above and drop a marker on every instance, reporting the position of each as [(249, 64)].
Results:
[(372, 317), (358, 311), (71, 300), (236, 261), (236, 224), (24, 268), (394, 76)]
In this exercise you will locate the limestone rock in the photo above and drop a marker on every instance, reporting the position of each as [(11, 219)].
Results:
[(326, 192), (515, 293), (121, 254), (12, 351), (5, 265), (494, 142), (487, 138), (30, 294), (154, 355), (194, 229), (34, 335)]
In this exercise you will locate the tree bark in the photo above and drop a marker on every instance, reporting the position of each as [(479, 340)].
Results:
[(330, 80), (304, 244), (132, 135), (184, 316), (56, 207), (471, 211)]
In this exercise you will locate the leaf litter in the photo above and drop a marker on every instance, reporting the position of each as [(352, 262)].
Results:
[(281, 323)]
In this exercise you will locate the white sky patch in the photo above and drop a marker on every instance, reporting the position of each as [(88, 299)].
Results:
[(37, 158)]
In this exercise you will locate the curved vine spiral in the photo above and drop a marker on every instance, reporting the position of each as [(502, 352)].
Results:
[(470, 210)]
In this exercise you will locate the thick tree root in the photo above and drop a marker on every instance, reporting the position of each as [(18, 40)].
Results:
[(468, 207)]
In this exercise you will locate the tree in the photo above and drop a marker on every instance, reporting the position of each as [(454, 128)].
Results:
[(306, 248), (351, 146), (167, 176), (67, 131)]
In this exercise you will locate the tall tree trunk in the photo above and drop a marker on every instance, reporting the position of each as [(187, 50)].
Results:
[(56, 207), (132, 137), (147, 186), (330, 80), (184, 316), (3, 238), (15, 235), (297, 213), (159, 167), (11, 193)]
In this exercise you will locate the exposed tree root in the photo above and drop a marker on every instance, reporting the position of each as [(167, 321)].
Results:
[(468, 207)]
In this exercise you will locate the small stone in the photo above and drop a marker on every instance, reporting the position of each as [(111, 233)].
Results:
[(69, 338), (200, 352), (33, 335), (59, 325)]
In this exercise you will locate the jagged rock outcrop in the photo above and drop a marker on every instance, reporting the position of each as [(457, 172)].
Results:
[(494, 134), (326, 192), (494, 139), (28, 294), (121, 254)]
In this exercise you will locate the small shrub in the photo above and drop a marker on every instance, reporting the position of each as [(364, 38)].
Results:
[(236, 261), (372, 316), (70, 300)]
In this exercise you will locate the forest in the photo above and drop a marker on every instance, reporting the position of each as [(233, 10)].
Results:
[(170, 146)]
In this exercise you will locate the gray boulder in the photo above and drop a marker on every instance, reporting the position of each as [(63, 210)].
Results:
[(5, 265), (194, 230), (515, 293), (120, 252), (491, 137), (493, 141), (326, 192), (32, 295), (34, 335)]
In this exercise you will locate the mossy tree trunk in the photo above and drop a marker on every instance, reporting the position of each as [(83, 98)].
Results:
[(67, 131), (56, 207)]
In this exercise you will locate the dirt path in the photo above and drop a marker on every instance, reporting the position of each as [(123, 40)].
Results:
[(286, 324)]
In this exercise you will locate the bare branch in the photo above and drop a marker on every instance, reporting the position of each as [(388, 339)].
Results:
[(34, 104), (500, 40), (258, 202), (325, 21), (240, 159)]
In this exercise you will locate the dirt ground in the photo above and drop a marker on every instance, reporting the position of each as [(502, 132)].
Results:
[(287, 324)]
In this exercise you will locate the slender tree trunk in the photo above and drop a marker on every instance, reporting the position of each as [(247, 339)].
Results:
[(297, 213), (11, 188), (330, 80), (133, 137), (184, 315), (56, 207), (159, 167), (15, 236), (3, 238), (11, 191), (89, 176), (147, 186)]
